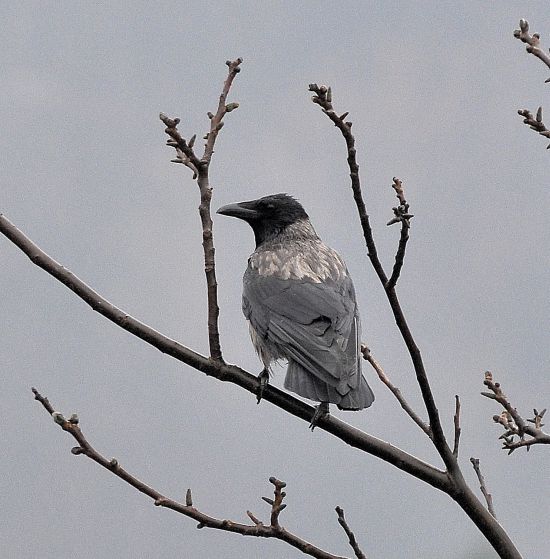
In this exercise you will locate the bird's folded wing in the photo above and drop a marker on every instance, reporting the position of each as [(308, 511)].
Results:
[(315, 324)]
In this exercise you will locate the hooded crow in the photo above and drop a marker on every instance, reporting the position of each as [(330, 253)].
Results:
[(300, 303)]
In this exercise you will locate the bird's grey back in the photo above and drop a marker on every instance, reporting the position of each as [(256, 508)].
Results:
[(300, 301)]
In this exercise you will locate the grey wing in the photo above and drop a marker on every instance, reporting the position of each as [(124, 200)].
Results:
[(315, 324)]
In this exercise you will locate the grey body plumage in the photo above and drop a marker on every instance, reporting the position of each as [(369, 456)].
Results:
[(300, 303)]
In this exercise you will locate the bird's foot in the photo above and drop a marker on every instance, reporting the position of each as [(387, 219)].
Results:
[(322, 410), (263, 377)]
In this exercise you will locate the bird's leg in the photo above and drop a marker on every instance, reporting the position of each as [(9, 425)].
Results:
[(320, 411), (263, 377)]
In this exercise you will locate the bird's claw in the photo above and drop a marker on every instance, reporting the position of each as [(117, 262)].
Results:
[(321, 411), (263, 377)]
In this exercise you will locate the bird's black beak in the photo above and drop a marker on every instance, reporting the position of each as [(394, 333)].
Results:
[(242, 210)]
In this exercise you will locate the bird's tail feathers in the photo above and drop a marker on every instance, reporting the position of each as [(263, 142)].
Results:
[(302, 382)]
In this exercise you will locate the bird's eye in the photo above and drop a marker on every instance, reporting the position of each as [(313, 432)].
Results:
[(267, 206)]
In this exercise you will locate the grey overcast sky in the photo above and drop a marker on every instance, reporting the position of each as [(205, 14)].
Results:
[(433, 89)]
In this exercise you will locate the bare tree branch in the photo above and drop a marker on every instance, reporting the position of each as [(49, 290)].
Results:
[(516, 428), (258, 529), (351, 536), (185, 154), (483, 486), (367, 355), (461, 492), (532, 42), (450, 481)]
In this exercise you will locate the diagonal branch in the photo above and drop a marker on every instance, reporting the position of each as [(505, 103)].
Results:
[(367, 355), (351, 536), (323, 97), (460, 490), (224, 372), (483, 486), (258, 529), (185, 154)]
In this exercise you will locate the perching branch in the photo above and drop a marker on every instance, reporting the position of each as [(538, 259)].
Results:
[(224, 372), (532, 42), (185, 154), (483, 486), (519, 432), (258, 529)]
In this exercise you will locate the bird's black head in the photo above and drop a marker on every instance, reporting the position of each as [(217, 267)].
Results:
[(268, 216)]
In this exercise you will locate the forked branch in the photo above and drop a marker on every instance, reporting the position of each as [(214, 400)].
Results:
[(518, 432), (461, 492), (185, 155), (323, 97)]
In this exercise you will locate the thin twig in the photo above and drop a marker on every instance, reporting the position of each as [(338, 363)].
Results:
[(532, 42), (535, 122), (367, 355), (200, 167), (351, 536), (401, 215), (456, 421), (483, 486), (258, 529), (513, 422), (323, 98)]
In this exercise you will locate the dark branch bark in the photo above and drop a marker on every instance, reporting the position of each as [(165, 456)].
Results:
[(323, 98), (274, 530)]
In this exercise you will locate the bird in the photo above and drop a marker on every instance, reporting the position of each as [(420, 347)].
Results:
[(300, 303)]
